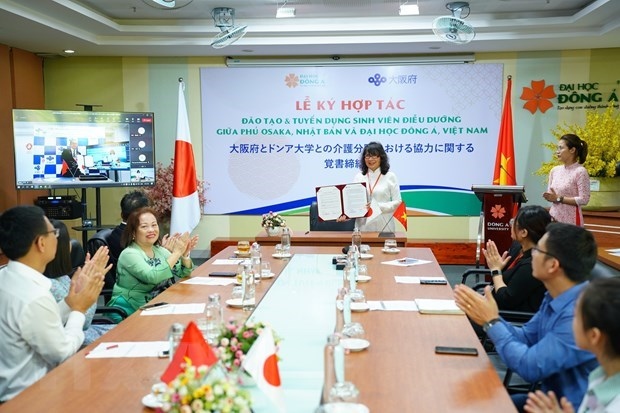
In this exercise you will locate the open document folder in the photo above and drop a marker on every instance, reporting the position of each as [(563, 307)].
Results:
[(349, 200)]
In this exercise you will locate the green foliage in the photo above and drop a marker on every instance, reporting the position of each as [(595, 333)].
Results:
[(601, 131)]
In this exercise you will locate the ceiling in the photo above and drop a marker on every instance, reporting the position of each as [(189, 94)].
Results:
[(320, 28)]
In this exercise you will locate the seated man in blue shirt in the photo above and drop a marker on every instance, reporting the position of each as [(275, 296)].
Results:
[(544, 349)]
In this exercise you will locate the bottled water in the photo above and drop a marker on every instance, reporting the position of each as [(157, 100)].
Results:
[(356, 239), (174, 338), (214, 318), (248, 300), (285, 240), (255, 260)]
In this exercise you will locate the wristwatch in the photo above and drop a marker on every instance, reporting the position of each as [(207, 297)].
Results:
[(486, 326), (496, 272), (559, 199)]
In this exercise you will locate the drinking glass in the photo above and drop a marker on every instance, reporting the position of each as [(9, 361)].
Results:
[(278, 250), (362, 269), (243, 247), (357, 296), (344, 392), (390, 244), (240, 269), (237, 292), (353, 330), (265, 269)]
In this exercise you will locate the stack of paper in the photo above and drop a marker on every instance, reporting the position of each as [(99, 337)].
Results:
[(435, 306)]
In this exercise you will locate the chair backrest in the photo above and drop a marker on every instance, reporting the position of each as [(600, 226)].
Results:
[(77, 254), (602, 271), (317, 225), (93, 244)]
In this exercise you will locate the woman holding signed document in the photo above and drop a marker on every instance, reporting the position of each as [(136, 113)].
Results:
[(381, 187)]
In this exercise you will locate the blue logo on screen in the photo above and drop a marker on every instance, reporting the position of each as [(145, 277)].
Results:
[(377, 79)]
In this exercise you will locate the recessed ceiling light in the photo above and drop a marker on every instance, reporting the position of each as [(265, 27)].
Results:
[(69, 51), (409, 10)]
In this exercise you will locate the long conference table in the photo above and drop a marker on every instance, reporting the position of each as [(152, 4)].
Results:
[(399, 372)]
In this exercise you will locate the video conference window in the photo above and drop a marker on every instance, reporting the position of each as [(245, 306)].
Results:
[(56, 149)]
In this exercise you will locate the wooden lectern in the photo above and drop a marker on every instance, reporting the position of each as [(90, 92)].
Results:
[(500, 204)]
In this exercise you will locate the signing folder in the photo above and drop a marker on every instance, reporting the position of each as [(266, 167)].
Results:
[(349, 200)]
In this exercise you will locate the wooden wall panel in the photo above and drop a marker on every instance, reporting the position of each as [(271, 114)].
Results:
[(21, 80)]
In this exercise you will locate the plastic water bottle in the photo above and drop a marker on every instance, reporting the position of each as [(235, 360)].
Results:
[(285, 240), (356, 239), (214, 318), (255, 260), (174, 338)]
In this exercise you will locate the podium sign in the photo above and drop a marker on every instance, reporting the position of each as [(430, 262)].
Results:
[(500, 204)]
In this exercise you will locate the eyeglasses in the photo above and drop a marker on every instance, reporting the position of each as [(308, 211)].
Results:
[(371, 156), (544, 252), (54, 231)]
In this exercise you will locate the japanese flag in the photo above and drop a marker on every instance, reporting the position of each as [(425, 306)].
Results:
[(261, 363), (185, 202)]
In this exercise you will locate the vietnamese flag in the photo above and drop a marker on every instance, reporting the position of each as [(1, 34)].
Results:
[(401, 214), (194, 347), (185, 203), (504, 171)]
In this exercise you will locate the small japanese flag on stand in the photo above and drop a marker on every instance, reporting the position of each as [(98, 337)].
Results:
[(261, 363), (185, 202)]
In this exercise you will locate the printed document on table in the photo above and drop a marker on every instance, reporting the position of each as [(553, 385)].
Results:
[(406, 262), (614, 251), (393, 305), (209, 281), (230, 261), (190, 308), (128, 349), (405, 279), (436, 306)]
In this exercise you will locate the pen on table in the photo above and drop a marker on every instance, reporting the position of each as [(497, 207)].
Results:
[(153, 306), (110, 347), (307, 232)]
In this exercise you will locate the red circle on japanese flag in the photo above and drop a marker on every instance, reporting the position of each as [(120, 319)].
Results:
[(270, 371)]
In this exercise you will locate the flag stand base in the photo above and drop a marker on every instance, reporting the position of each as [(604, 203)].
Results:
[(386, 235)]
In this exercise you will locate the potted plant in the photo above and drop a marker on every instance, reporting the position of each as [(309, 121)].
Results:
[(272, 223), (601, 131)]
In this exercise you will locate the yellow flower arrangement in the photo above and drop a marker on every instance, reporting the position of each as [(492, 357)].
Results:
[(193, 392), (601, 131)]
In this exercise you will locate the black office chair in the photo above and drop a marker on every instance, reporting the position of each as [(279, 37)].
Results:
[(318, 225), (77, 254), (94, 243)]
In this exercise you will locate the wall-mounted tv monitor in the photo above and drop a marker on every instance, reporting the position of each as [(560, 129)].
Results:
[(67, 149)]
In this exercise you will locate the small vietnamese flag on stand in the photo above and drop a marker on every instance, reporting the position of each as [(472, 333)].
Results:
[(194, 347), (185, 202), (401, 214)]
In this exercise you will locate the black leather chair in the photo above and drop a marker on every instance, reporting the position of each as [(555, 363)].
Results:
[(94, 243), (77, 254), (318, 225)]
